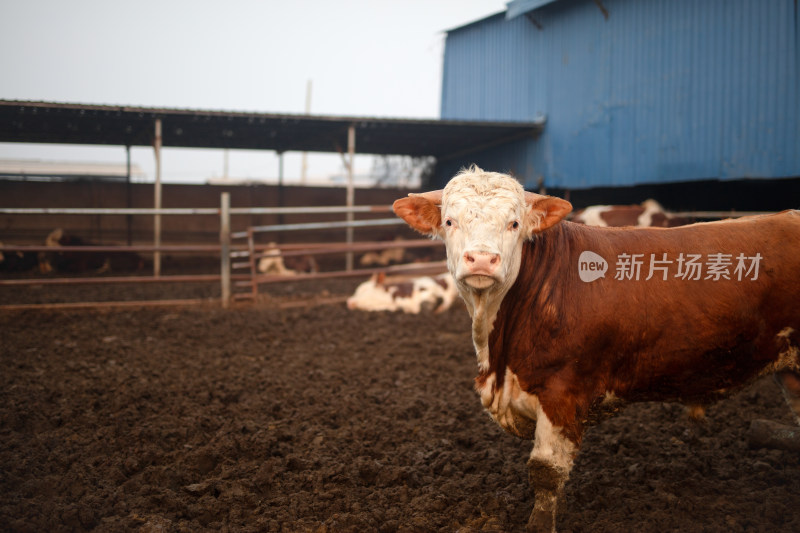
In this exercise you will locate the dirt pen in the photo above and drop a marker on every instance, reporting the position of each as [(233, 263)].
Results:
[(284, 415)]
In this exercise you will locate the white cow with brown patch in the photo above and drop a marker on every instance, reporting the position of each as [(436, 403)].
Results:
[(384, 257), (272, 261), (409, 295)]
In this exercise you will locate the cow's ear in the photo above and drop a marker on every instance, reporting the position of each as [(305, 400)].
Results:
[(544, 211), (421, 211)]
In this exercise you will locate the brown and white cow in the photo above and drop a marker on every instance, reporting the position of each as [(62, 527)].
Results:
[(648, 214), (272, 261), (78, 261), (569, 320), (408, 294), (385, 257)]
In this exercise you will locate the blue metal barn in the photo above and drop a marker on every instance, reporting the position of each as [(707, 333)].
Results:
[(633, 91)]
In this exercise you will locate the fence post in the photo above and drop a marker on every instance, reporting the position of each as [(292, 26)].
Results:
[(351, 152), (157, 201), (225, 246)]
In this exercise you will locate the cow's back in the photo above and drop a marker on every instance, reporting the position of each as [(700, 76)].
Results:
[(677, 337)]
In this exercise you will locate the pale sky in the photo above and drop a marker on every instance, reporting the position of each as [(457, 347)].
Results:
[(364, 57)]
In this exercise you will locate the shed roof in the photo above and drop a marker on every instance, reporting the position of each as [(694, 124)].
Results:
[(516, 8), (47, 122)]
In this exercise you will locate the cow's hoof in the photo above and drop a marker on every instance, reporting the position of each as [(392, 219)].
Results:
[(541, 521), (771, 434)]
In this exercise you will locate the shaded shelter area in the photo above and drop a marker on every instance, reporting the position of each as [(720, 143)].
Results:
[(45, 122)]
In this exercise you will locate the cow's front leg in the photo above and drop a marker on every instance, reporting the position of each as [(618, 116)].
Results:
[(548, 470), (789, 380)]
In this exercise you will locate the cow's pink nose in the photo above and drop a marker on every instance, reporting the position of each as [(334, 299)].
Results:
[(481, 262)]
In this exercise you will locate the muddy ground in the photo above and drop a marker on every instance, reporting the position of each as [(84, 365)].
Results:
[(323, 419)]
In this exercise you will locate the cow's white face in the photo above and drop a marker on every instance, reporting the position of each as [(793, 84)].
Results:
[(482, 226), (484, 218)]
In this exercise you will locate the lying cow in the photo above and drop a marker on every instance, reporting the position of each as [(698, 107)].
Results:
[(68, 261), (273, 262), (410, 295), (79, 261), (646, 215), (384, 257), (570, 321)]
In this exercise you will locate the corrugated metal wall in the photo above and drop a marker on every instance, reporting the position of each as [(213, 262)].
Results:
[(662, 90)]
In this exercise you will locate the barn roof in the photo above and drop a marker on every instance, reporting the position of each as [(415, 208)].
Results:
[(516, 8), (47, 122)]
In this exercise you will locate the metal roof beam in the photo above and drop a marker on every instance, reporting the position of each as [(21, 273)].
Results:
[(43, 122)]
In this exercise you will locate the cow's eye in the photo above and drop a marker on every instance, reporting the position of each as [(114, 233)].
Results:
[(514, 225), (448, 223)]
